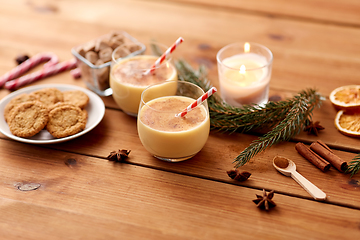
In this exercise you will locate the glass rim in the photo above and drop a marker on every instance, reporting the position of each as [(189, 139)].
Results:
[(177, 82), (243, 43), (137, 52), (130, 58), (140, 52)]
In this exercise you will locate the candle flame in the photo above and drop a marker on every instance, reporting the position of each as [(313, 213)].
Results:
[(247, 47), (242, 69)]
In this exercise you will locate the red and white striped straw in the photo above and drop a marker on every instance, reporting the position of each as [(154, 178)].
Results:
[(197, 102), (45, 72), (28, 64), (165, 55)]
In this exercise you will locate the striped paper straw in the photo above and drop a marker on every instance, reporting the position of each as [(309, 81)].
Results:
[(197, 102), (45, 72), (165, 55), (29, 64)]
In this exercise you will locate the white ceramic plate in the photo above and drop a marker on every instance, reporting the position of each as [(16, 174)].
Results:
[(95, 109)]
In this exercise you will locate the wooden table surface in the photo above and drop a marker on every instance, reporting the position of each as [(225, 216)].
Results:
[(82, 195)]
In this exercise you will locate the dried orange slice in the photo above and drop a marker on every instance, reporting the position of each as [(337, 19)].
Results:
[(348, 123), (346, 97)]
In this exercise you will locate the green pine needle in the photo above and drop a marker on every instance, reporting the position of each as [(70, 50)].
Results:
[(354, 166), (298, 110), (285, 119)]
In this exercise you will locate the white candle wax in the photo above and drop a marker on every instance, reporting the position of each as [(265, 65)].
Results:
[(244, 79)]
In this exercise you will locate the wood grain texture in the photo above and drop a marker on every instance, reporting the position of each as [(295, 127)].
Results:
[(300, 61), (118, 131), (98, 199), (335, 12), (84, 196)]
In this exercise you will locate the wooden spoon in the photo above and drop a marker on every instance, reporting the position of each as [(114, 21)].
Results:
[(288, 168)]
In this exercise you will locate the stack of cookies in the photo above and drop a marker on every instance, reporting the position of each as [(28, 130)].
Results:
[(61, 113)]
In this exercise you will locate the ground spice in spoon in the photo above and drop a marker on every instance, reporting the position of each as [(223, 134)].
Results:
[(281, 162)]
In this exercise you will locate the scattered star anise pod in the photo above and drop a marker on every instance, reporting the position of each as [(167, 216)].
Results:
[(313, 128), (119, 155), (265, 201), (236, 175)]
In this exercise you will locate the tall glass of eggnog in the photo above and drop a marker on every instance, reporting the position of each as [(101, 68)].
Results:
[(129, 77), (164, 134)]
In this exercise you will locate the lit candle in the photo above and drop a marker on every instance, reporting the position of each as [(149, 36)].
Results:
[(245, 75)]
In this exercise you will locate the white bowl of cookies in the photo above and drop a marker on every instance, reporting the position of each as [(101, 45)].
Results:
[(50, 113)]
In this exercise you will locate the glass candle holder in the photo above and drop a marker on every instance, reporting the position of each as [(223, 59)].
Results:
[(244, 73), (128, 77), (165, 135)]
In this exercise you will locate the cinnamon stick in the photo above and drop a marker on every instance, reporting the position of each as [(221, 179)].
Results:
[(312, 157), (324, 151)]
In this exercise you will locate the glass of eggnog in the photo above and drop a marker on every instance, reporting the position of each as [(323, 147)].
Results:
[(165, 135), (129, 77)]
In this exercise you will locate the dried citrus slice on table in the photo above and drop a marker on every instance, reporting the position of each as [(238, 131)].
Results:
[(346, 97), (348, 123)]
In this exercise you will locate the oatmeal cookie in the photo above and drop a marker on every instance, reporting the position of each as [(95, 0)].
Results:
[(66, 121), (28, 118), (76, 97), (86, 113), (59, 104), (49, 96), (16, 101)]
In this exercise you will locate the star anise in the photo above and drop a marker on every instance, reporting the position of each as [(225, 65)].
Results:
[(236, 175), (265, 201), (21, 58), (313, 128), (119, 155)]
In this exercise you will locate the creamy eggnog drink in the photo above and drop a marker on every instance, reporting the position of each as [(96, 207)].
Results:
[(128, 80), (167, 136)]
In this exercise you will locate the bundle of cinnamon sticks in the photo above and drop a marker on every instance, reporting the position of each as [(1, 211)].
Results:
[(321, 156)]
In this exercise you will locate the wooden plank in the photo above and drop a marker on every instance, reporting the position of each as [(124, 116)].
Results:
[(90, 197), (332, 11), (95, 198), (14, 33), (44, 41), (23, 220), (118, 131), (306, 54)]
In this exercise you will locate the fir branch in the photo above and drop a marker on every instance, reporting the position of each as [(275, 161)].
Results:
[(295, 121), (284, 118), (354, 166)]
